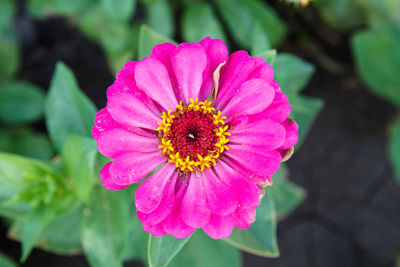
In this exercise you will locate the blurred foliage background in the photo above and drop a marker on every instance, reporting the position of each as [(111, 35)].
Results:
[(50, 193)]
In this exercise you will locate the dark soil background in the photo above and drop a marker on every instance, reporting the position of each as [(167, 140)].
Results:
[(351, 216)]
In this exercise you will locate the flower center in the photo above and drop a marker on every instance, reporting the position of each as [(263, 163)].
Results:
[(193, 136)]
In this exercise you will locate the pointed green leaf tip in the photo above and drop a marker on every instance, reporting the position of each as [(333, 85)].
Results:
[(269, 56), (67, 110), (287, 196), (377, 54), (148, 39), (203, 251), (260, 238), (161, 250), (33, 226)]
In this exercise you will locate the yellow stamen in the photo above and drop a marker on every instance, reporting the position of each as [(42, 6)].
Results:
[(203, 162), (164, 125), (194, 103), (206, 106), (179, 106), (218, 118), (187, 164), (222, 144), (222, 131), (166, 145), (175, 159), (167, 116)]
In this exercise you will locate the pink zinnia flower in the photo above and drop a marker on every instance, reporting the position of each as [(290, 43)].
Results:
[(216, 124)]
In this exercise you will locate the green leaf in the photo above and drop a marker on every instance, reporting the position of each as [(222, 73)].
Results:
[(292, 73), (377, 55), (160, 17), (13, 172), (67, 110), (148, 39), (47, 8), (119, 42), (161, 250), (7, 12), (33, 226), (6, 261), (260, 41), (394, 144), (26, 143), (9, 58), (384, 13), (341, 15), (118, 10), (92, 23), (202, 251), (251, 12), (269, 56), (199, 21), (260, 238), (304, 112), (137, 238), (20, 102), (79, 157), (14, 211), (117, 38), (286, 195), (104, 227), (60, 236)]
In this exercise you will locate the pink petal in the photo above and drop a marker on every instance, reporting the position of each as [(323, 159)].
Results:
[(132, 167), (163, 53), (233, 74), (278, 111), (219, 226), (252, 97), (165, 207), (292, 133), (117, 141), (130, 107), (103, 122), (128, 72), (262, 135), (259, 163), (152, 78), (243, 218), (245, 173), (276, 86), (247, 193), (217, 53), (156, 230), (221, 198), (262, 70), (189, 62), (108, 182), (173, 224), (149, 194), (194, 209)]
